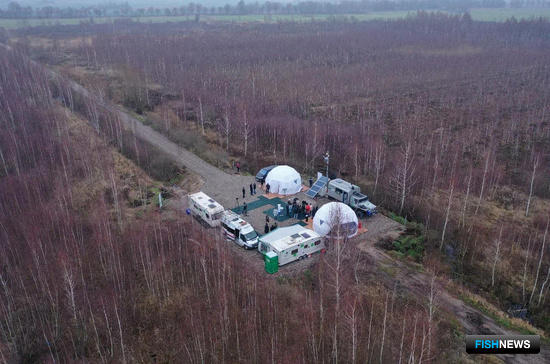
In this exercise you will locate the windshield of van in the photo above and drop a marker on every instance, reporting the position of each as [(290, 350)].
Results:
[(217, 215), (250, 236)]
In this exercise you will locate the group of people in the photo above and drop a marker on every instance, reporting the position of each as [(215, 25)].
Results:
[(300, 211), (293, 208), (267, 186), (267, 228), (252, 190)]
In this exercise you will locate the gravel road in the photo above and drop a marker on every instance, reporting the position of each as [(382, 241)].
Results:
[(220, 185)]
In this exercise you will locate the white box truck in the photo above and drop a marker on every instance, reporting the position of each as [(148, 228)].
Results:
[(291, 243), (205, 209), (236, 229)]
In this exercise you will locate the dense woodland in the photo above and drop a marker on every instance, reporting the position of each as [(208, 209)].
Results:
[(442, 120), (83, 280)]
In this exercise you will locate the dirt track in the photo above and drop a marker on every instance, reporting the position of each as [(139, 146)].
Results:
[(418, 283), (224, 187)]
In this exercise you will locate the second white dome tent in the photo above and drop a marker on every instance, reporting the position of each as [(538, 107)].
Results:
[(284, 180), (335, 219)]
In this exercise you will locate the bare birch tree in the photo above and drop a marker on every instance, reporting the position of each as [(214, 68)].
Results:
[(201, 115), (402, 180), (483, 182), (247, 130), (378, 161), (449, 203), (525, 269), (497, 255), (384, 327), (544, 285), (540, 259), (465, 206), (533, 174)]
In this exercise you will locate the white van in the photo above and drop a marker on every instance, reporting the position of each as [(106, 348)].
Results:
[(205, 209), (291, 243), (237, 230)]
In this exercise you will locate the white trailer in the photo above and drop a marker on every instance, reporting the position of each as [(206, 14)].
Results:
[(236, 229), (291, 243), (205, 209)]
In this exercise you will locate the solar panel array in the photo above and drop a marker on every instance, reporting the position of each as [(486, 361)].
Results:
[(317, 186)]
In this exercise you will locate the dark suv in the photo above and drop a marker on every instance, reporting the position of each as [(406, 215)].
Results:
[(262, 174)]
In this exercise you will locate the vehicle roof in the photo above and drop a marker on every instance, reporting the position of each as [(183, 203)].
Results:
[(204, 201), (267, 168), (286, 237), (235, 220), (338, 182)]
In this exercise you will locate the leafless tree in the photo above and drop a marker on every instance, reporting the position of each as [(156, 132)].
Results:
[(449, 203), (497, 255), (465, 205), (525, 269), (540, 260), (384, 327), (483, 182), (402, 180), (533, 174), (544, 285)]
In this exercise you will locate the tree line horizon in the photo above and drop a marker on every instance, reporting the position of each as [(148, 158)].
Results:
[(14, 10)]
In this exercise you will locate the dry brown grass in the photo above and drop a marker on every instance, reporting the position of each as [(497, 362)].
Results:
[(492, 309)]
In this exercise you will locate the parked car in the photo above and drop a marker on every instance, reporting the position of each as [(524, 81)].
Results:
[(262, 174)]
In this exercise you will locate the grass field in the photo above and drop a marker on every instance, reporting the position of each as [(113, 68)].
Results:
[(479, 14)]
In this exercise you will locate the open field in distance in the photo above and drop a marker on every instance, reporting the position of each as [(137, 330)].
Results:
[(480, 14)]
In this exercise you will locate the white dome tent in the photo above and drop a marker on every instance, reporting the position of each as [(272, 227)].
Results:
[(284, 180), (332, 214)]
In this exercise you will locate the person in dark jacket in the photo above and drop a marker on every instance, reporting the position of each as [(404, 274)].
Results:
[(310, 182), (251, 190), (244, 192), (289, 208), (245, 209), (266, 228), (267, 186), (254, 187)]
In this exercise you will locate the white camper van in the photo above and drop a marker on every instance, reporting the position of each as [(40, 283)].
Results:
[(236, 229), (291, 243), (205, 209)]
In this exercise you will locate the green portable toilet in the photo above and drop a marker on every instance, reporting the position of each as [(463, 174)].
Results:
[(271, 262)]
